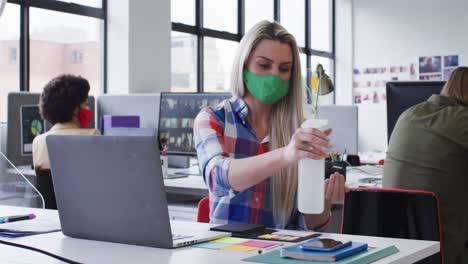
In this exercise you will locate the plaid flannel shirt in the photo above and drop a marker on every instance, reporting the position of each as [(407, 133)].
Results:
[(222, 134)]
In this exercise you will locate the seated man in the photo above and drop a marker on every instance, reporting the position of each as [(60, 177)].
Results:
[(428, 150), (64, 104)]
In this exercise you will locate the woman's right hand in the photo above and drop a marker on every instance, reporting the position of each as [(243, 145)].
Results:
[(307, 143)]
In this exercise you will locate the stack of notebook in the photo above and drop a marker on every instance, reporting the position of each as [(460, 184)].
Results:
[(356, 253), (297, 252)]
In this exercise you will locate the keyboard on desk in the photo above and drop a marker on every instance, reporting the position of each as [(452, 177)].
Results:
[(371, 170)]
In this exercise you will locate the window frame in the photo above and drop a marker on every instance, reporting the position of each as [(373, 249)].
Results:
[(201, 32), (59, 6)]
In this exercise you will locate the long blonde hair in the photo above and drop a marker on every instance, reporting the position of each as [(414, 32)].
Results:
[(457, 85), (287, 113)]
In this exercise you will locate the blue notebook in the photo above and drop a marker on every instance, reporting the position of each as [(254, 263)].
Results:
[(296, 252)]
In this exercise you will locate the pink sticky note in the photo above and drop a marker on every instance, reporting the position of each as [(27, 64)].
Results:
[(258, 244)]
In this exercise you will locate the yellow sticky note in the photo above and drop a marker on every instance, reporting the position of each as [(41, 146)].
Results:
[(239, 248), (230, 240)]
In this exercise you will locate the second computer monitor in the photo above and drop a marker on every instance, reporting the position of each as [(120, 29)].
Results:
[(176, 117), (403, 95), (32, 125)]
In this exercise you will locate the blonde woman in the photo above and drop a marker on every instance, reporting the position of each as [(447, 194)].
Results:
[(248, 147)]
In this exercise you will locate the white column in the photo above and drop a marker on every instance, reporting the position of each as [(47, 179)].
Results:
[(138, 49), (344, 52)]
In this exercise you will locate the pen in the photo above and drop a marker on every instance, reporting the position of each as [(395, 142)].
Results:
[(270, 248), (14, 218)]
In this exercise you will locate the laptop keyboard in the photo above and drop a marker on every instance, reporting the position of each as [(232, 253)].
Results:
[(178, 236)]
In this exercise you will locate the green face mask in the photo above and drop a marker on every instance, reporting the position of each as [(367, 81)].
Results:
[(268, 89)]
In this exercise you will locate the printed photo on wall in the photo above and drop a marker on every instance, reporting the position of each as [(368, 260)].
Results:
[(430, 64), (357, 98), (430, 77), (451, 61), (450, 64)]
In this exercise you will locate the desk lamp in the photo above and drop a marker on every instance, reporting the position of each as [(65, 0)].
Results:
[(321, 83)]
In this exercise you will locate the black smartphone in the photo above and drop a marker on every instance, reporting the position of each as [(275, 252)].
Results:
[(325, 244)]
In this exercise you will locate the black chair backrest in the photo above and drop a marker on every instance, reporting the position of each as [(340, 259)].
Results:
[(391, 213), (46, 187)]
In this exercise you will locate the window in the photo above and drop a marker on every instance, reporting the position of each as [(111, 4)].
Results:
[(65, 36), (293, 19), (9, 60), (220, 15), (183, 11), (321, 25), (52, 45), (257, 10), (92, 3), (219, 55), (203, 50), (184, 62), (303, 59)]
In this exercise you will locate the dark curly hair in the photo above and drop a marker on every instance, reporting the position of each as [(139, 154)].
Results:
[(61, 96)]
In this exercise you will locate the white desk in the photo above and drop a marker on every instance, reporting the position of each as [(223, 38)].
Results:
[(355, 177), (194, 185), (191, 185), (87, 251)]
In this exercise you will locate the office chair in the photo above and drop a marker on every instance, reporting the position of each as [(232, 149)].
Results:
[(396, 213), (46, 187), (203, 215)]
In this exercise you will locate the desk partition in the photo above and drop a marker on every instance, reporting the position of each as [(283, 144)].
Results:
[(146, 106)]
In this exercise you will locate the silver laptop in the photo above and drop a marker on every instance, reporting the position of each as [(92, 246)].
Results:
[(111, 189)]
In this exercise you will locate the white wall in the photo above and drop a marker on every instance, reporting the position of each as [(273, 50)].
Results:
[(139, 51), (343, 51), (117, 47), (397, 32)]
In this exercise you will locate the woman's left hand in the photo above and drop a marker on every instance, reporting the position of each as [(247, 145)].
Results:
[(335, 188)]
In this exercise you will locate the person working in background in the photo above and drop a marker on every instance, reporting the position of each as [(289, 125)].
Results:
[(248, 147), (64, 104), (428, 150)]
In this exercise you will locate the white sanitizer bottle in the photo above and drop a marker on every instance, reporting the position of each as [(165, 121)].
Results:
[(311, 177)]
